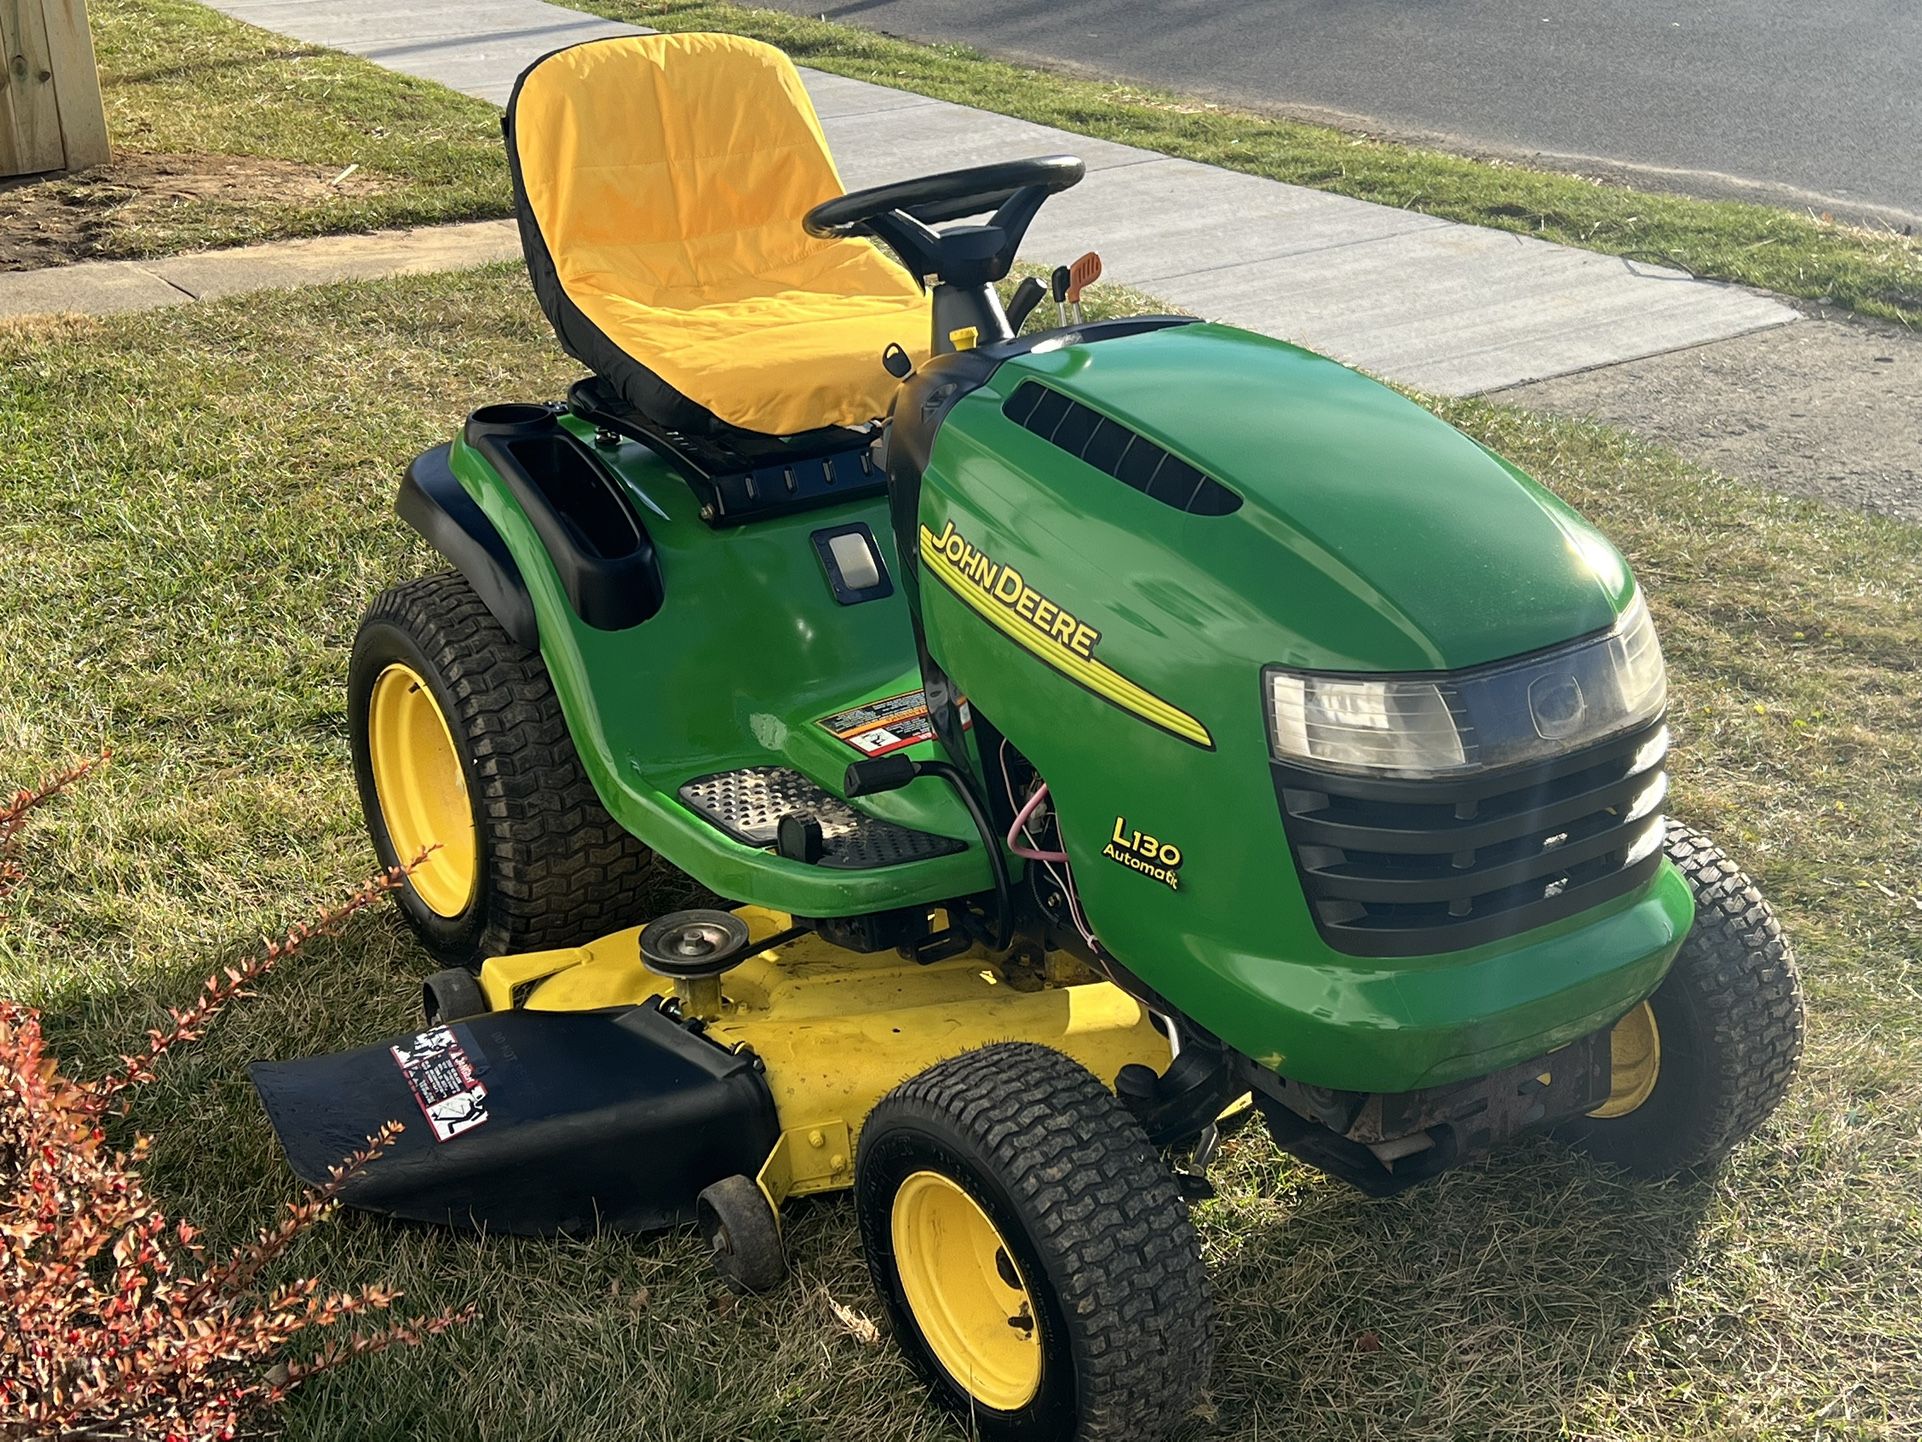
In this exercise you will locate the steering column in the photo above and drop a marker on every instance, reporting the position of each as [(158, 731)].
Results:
[(959, 263)]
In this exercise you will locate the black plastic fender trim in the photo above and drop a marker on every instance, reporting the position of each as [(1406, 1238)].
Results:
[(436, 505), (596, 541)]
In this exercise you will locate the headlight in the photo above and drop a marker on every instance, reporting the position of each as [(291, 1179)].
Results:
[(1479, 720)]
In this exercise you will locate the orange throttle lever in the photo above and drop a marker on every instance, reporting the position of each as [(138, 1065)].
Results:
[(1082, 274)]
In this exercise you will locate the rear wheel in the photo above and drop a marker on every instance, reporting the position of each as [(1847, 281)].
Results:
[(461, 751), (1034, 1255), (1701, 1064)]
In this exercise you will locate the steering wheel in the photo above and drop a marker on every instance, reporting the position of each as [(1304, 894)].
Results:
[(903, 215)]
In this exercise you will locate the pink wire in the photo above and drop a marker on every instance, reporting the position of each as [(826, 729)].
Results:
[(1021, 820)]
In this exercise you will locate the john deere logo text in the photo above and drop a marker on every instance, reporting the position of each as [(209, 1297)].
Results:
[(1006, 600), (1005, 586), (1147, 854)]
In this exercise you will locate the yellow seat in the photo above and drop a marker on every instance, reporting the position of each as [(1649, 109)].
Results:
[(661, 181)]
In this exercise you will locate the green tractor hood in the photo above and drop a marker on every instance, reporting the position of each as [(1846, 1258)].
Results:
[(1371, 536), (1116, 538)]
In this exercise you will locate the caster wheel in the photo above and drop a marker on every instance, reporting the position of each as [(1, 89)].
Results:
[(743, 1234), (1033, 1252), (451, 995), (1701, 1064)]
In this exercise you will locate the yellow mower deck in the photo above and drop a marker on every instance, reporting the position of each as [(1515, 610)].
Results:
[(837, 1030)]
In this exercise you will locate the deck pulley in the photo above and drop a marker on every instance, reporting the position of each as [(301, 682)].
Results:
[(694, 948)]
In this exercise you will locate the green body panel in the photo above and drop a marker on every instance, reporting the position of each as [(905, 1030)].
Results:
[(750, 648), (1372, 537)]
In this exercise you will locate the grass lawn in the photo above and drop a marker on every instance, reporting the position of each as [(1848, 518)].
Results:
[(225, 134), (196, 504), (1876, 272)]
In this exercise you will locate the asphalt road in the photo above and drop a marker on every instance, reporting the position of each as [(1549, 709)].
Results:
[(1785, 101)]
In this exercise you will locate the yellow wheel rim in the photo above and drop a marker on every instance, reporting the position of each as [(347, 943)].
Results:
[(422, 793), (1635, 1062), (965, 1292)]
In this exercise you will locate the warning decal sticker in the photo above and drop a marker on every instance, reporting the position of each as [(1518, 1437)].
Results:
[(444, 1081), (878, 727)]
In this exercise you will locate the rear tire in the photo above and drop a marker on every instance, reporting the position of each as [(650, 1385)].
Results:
[(1728, 1026), (549, 867), (1034, 1255)]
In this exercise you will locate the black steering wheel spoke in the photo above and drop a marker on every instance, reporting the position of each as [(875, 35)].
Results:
[(911, 240), (939, 212), (902, 216)]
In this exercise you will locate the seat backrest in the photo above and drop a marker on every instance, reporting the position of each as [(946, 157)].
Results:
[(689, 186), (658, 174)]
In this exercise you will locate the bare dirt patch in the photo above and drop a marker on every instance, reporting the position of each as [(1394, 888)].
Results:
[(56, 219)]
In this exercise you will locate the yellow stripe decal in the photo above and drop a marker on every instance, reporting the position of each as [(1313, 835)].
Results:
[(1101, 679)]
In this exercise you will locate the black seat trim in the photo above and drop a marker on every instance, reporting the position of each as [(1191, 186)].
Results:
[(741, 476)]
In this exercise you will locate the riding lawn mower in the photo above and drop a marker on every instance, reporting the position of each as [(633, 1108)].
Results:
[(1094, 737)]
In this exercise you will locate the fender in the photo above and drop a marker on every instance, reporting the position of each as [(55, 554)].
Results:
[(436, 505)]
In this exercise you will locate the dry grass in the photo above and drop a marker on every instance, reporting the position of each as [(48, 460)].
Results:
[(194, 506)]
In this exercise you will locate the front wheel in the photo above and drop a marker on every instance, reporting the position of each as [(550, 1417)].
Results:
[(1034, 1255), (1698, 1067)]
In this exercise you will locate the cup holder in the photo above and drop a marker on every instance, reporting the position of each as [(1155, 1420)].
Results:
[(510, 416)]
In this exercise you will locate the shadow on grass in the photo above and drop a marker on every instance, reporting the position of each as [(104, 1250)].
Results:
[(1491, 1302)]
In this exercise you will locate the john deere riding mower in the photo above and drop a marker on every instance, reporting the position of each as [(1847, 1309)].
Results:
[(1088, 728)]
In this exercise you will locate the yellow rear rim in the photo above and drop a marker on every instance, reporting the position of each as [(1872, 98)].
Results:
[(1635, 1062), (965, 1292), (422, 793)]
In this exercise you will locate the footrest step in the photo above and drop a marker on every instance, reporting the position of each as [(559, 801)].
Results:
[(748, 805)]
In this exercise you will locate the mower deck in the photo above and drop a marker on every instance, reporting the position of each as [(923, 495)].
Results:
[(594, 1092), (835, 1030)]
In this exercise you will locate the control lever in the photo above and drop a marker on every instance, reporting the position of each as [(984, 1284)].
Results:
[(880, 773), (1058, 288), (1082, 274), (1026, 297)]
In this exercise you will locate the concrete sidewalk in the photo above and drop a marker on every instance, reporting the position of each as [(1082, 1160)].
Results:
[(104, 287), (1450, 308)]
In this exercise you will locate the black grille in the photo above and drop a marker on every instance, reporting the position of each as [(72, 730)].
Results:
[(1109, 446), (1408, 868)]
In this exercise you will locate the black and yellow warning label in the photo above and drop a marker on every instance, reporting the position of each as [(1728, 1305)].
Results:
[(874, 728), (1044, 627), (1150, 855)]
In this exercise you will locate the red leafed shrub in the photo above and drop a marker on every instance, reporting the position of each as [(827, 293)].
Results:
[(117, 1322)]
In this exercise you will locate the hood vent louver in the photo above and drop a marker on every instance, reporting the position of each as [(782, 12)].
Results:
[(1109, 446)]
